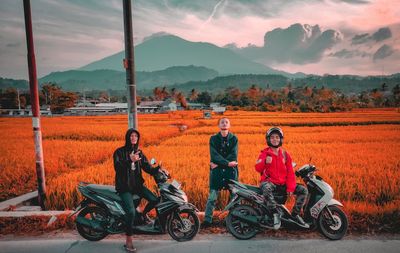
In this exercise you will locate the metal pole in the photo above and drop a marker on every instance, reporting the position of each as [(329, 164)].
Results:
[(129, 64), (19, 101), (34, 92)]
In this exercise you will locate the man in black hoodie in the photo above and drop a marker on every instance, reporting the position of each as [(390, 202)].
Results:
[(129, 161)]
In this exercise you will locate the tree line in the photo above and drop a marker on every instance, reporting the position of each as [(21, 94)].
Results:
[(289, 99)]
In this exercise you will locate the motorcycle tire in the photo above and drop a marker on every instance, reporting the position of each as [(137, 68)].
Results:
[(239, 229), (94, 213), (183, 225), (329, 230)]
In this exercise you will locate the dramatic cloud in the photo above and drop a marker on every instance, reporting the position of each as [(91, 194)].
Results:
[(347, 54), (360, 38), (380, 35), (383, 52), (71, 33), (297, 44)]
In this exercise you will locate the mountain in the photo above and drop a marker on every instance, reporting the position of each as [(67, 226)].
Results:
[(345, 83), (242, 82), (160, 52), (13, 83), (104, 79)]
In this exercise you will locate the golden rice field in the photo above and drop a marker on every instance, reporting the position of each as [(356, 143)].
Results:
[(357, 153)]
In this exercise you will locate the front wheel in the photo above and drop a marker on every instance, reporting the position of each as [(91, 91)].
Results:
[(183, 225), (95, 214), (333, 229), (238, 228)]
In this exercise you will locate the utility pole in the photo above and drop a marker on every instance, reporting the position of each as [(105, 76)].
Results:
[(19, 101), (129, 65), (34, 92)]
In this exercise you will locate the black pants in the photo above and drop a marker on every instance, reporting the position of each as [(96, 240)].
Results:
[(130, 209), (268, 189), (150, 197)]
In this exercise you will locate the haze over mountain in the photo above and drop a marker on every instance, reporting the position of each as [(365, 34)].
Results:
[(105, 79), (163, 51)]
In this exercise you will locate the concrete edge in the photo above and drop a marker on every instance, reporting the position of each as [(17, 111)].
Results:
[(15, 214), (18, 200)]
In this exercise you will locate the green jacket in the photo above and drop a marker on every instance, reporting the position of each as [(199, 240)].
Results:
[(222, 155)]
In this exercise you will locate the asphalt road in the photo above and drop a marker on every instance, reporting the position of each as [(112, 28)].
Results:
[(220, 243)]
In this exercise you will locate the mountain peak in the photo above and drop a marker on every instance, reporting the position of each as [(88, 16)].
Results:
[(162, 50), (156, 35)]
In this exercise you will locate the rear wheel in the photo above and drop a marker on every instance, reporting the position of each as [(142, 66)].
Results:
[(95, 214), (333, 229), (183, 225), (240, 229)]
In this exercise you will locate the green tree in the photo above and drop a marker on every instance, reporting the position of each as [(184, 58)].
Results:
[(9, 99), (204, 97), (57, 98)]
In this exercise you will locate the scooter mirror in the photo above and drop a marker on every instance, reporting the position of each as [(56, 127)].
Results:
[(153, 161), (294, 164)]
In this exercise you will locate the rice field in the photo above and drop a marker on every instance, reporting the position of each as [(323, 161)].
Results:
[(356, 152)]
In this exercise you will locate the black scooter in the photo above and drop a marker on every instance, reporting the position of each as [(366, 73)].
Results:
[(101, 212), (248, 213)]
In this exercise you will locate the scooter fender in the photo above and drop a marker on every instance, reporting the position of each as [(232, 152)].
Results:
[(81, 205), (334, 202)]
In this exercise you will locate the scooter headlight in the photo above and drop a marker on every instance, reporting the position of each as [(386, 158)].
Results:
[(330, 189), (185, 198)]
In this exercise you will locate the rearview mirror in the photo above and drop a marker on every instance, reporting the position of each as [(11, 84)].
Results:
[(153, 161), (294, 164)]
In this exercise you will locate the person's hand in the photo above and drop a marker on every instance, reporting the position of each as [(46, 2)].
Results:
[(233, 164), (289, 194), (268, 160), (134, 156), (213, 165)]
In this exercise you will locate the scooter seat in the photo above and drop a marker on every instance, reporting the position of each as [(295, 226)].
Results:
[(253, 188), (105, 190)]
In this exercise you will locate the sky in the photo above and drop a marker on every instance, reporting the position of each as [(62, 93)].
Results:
[(358, 37)]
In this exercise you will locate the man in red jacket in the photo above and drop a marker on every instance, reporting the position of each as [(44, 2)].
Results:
[(275, 166)]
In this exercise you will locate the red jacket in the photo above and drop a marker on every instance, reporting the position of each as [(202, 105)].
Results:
[(278, 171)]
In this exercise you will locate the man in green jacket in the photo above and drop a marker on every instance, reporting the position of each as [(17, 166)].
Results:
[(223, 165)]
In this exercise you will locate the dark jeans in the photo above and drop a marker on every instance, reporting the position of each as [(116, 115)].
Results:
[(129, 208), (150, 197), (268, 189)]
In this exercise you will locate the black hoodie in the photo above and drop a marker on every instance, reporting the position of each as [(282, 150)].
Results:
[(127, 179)]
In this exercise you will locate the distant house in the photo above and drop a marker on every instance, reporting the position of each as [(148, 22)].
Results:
[(196, 106), (158, 106), (112, 108), (100, 108), (117, 107), (217, 108), (44, 111), (169, 105), (84, 103)]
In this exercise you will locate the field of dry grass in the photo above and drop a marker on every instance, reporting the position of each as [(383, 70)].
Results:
[(356, 152)]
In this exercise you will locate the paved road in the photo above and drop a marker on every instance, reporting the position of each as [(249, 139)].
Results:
[(202, 243)]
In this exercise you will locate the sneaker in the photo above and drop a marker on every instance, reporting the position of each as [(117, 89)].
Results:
[(130, 249), (297, 218), (277, 221), (206, 224)]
